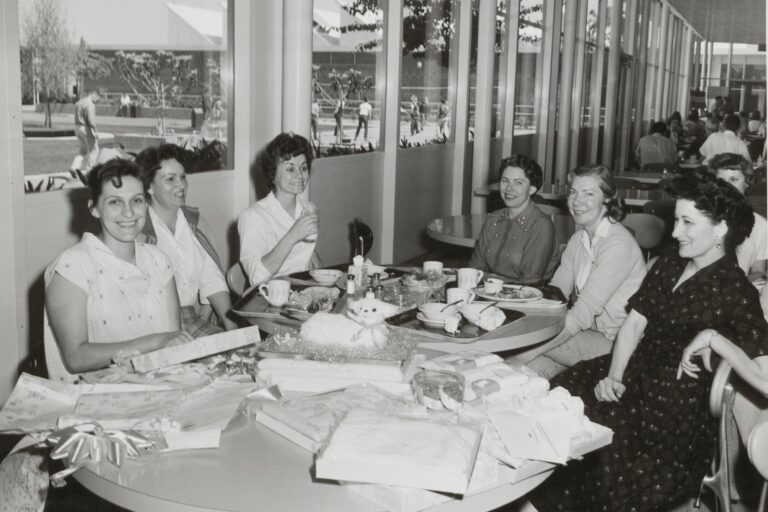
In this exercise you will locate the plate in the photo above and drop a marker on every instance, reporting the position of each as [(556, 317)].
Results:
[(432, 323), (511, 293)]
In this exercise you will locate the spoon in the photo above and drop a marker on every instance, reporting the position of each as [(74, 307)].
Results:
[(486, 307), (451, 304)]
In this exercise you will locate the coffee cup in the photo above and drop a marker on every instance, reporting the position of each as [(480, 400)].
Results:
[(465, 295), (435, 266), (469, 277), (276, 292), (493, 285)]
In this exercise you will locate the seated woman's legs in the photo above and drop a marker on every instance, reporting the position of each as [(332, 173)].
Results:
[(581, 347)]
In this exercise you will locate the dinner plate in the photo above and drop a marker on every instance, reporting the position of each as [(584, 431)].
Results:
[(516, 293), (429, 322)]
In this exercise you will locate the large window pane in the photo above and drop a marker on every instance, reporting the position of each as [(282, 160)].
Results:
[(529, 62), (158, 74), (347, 64), (427, 96)]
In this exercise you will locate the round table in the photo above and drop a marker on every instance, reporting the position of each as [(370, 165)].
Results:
[(461, 230)]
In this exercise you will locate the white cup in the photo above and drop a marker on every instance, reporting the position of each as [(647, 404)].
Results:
[(276, 291), (310, 209), (463, 294), (493, 285), (433, 265), (469, 277)]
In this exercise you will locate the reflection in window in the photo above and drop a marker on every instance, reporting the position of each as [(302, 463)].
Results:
[(90, 92), (428, 66), (529, 63), (347, 62)]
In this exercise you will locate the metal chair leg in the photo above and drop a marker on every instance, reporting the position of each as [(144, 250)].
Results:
[(763, 506), (719, 480)]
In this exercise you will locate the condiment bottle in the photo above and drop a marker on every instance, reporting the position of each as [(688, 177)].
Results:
[(376, 281), (369, 294), (351, 288), (378, 292)]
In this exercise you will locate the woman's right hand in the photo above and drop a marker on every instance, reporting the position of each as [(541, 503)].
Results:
[(609, 390), (305, 226)]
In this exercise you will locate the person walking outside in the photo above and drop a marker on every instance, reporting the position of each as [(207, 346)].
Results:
[(363, 115), (85, 129), (338, 131)]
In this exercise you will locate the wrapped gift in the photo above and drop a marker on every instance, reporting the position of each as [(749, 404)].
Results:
[(436, 453), (460, 361)]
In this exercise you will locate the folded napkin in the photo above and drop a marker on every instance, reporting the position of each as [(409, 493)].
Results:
[(483, 316)]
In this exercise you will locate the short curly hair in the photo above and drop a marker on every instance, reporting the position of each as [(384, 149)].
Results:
[(150, 159), (283, 147), (113, 171), (529, 166), (734, 162), (718, 200), (604, 176)]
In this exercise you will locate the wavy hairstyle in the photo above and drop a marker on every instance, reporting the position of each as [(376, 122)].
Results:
[(113, 171), (283, 147), (150, 159), (614, 206), (529, 166), (734, 162), (718, 200)]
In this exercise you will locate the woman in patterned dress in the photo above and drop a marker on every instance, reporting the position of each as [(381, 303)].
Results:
[(663, 431), (109, 293)]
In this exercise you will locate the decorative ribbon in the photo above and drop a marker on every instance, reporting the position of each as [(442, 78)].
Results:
[(80, 445)]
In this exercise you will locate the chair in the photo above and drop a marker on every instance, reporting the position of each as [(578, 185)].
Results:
[(632, 184), (658, 167), (721, 397), (647, 229), (236, 279), (361, 237), (565, 227), (757, 448)]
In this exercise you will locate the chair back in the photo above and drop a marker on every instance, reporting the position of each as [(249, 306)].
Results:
[(632, 184), (659, 167), (361, 237), (647, 229), (565, 227), (53, 360), (757, 448), (236, 279)]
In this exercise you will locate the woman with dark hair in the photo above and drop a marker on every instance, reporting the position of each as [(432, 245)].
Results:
[(675, 127), (110, 294), (518, 242), (601, 267), (183, 235), (663, 431), (278, 233), (752, 254)]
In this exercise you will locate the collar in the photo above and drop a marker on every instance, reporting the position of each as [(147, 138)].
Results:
[(94, 243), (601, 232), (523, 215)]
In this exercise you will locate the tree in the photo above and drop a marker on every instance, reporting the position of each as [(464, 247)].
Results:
[(161, 74), (89, 65), (50, 52)]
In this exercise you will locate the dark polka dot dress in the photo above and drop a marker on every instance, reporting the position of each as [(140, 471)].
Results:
[(664, 434)]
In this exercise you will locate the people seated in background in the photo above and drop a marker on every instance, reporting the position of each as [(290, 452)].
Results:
[(693, 137), (111, 294), (725, 141), (752, 254), (518, 242), (674, 127), (753, 125), (656, 147), (278, 233), (601, 268), (663, 433), (183, 235)]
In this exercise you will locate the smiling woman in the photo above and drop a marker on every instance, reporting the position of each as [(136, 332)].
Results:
[(109, 293)]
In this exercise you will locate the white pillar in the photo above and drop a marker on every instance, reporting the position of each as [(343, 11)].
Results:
[(481, 156), (577, 95), (686, 67), (550, 63), (642, 62), (728, 69), (297, 66), (596, 83), (659, 113), (513, 20), (566, 89), (612, 85), (459, 83)]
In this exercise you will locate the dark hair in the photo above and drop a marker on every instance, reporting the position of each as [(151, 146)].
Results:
[(658, 127), (735, 162), (755, 115), (113, 171), (529, 166), (614, 205), (717, 200), (150, 159), (283, 147), (675, 115), (693, 115), (732, 122)]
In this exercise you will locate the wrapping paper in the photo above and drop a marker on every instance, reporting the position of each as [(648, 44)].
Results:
[(460, 361)]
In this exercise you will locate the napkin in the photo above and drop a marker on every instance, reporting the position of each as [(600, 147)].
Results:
[(487, 318), (546, 437)]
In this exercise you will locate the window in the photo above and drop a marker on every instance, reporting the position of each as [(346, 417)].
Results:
[(347, 65), (164, 77), (427, 102), (529, 62)]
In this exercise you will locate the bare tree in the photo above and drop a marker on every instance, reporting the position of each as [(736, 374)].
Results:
[(160, 74)]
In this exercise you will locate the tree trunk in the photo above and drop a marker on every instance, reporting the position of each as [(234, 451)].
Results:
[(48, 122)]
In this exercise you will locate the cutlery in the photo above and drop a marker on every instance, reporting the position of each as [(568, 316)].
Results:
[(451, 304), (486, 307), (290, 316)]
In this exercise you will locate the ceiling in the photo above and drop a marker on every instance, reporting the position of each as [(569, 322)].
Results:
[(724, 21)]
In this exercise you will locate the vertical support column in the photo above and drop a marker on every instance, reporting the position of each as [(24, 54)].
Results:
[(297, 66), (649, 113), (612, 86), (13, 247), (460, 118), (384, 182), (549, 76), (513, 20), (662, 63), (486, 36), (705, 67), (728, 69), (628, 88), (685, 82), (597, 82), (577, 96), (641, 60), (560, 163)]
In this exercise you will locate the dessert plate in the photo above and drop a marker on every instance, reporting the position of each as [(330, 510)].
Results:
[(511, 293)]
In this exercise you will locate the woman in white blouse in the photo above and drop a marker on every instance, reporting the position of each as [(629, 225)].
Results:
[(109, 294), (182, 234), (278, 233)]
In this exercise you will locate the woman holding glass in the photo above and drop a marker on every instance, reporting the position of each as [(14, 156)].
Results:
[(110, 294), (601, 268), (656, 403), (278, 233)]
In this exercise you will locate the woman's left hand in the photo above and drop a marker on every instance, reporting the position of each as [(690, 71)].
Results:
[(699, 346)]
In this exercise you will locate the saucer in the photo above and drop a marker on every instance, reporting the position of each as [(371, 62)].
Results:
[(432, 323)]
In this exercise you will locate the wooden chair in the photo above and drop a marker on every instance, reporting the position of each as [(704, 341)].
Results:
[(757, 448), (647, 229), (236, 279)]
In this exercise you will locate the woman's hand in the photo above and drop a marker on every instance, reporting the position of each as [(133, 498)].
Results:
[(699, 346), (609, 390), (305, 226)]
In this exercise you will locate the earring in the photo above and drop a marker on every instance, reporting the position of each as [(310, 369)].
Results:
[(719, 243)]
